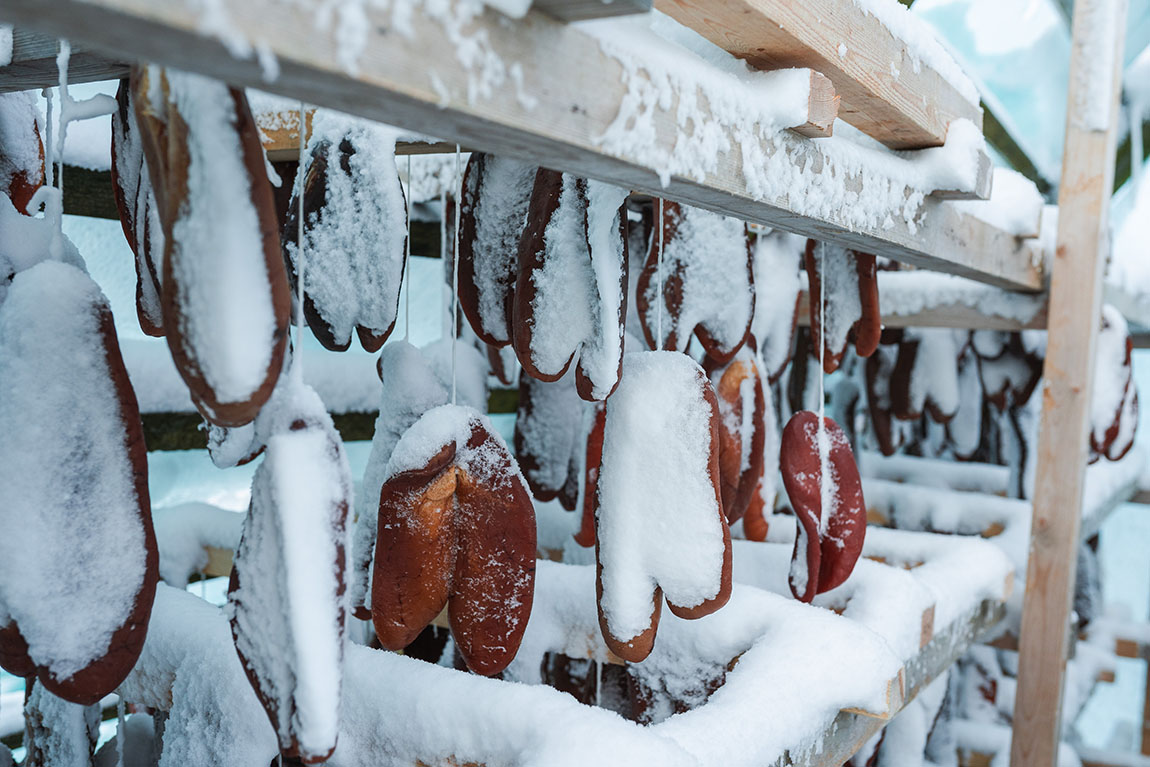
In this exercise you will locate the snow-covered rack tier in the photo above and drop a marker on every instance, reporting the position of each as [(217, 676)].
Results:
[(793, 683)]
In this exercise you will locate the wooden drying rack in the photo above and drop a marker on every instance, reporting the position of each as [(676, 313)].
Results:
[(573, 88)]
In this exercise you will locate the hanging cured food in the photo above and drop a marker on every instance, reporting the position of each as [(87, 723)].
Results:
[(823, 484), (492, 215), (591, 464), (456, 530), (778, 267), (549, 438), (139, 214), (660, 528), (925, 375), (1114, 402), (290, 562), (570, 295), (21, 149), (742, 430), (226, 302), (354, 231), (843, 302), (78, 558), (1009, 370), (706, 280)]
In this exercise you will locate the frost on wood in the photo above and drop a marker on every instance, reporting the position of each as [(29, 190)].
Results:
[(139, 213), (288, 592), (702, 283), (823, 484), (570, 294), (414, 381), (21, 150), (456, 530), (354, 230), (843, 301), (1114, 401), (493, 213), (78, 560), (742, 430), (549, 438), (659, 520), (778, 258), (226, 301)]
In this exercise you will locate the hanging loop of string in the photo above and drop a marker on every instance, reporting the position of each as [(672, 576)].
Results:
[(407, 262), (455, 272), (659, 271)]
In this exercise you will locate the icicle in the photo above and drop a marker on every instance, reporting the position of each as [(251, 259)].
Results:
[(407, 262), (455, 274), (121, 733)]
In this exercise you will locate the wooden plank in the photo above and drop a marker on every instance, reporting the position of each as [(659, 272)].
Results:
[(34, 63), (581, 10), (884, 94), (556, 114), (822, 108), (1075, 304), (957, 315)]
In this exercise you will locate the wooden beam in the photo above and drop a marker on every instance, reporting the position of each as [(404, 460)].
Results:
[(34, 63), (951, 315), (884, 94), (822, 108), (1075, 304), (550, 112), (581, 10)]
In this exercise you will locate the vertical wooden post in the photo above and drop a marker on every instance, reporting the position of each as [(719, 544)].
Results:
[(1098, 34)]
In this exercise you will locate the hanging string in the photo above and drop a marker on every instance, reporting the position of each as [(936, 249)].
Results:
[(49, 170), (297, 363), (121, 733), (659, 271), (442, 236), (826, 491), (63, 57), (455, 272), (407, 262)]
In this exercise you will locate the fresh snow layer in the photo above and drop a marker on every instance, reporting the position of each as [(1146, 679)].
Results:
[(906, 293), (778, 277), (658, 519), (72, 555), (220, 274), (1015, 204), (184, 533)]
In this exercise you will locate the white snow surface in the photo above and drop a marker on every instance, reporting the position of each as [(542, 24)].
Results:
[(354, 245), (18, 136), (1015, 204), (183, 534), (912, 292), (935, 373), (1111, 375), (445, 425), (778, 282), (289, 613), (658, 520), (72, 558), (839, 283), (218, 253)]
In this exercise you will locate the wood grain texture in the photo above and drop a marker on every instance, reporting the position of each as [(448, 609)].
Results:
[(581, 10), (1074, 310), (555, 117), (34, 63), (883, 93)]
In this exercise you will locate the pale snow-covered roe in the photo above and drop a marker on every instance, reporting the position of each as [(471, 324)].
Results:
[(778, 281), (1111, 376), (842, 305), (288, 613), (602, 351), (935, 373), (217, 249), (72, 557), (354, 245), (709, 251), (446, 425), (658, 520)]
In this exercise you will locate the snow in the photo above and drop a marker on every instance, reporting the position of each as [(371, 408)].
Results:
[(659, 521), (355, 226), (906, 293), (1096, 34), (287, 603), (183, 534), (1113, 379), (216, 265), (934, 376), (705, 266), (842, 307), (1015, 204), (778, 279), (19, 135), (549, 437), (72, 559), (5, 44), (60, 733)]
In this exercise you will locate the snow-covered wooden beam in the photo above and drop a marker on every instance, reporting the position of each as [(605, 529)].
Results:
[(1097, 38), (33, 63), (896, 83), (576, 98)]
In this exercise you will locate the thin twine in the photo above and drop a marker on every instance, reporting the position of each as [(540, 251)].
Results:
[(407, 262), (455, 274), (121, 734), (50, 170), (297, 364), (825, 492), (63, 57), (659, 271)]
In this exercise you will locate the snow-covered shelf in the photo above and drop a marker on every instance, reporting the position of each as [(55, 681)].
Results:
[(859, 655), (33, 63), (912, 108), (645, 113)]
